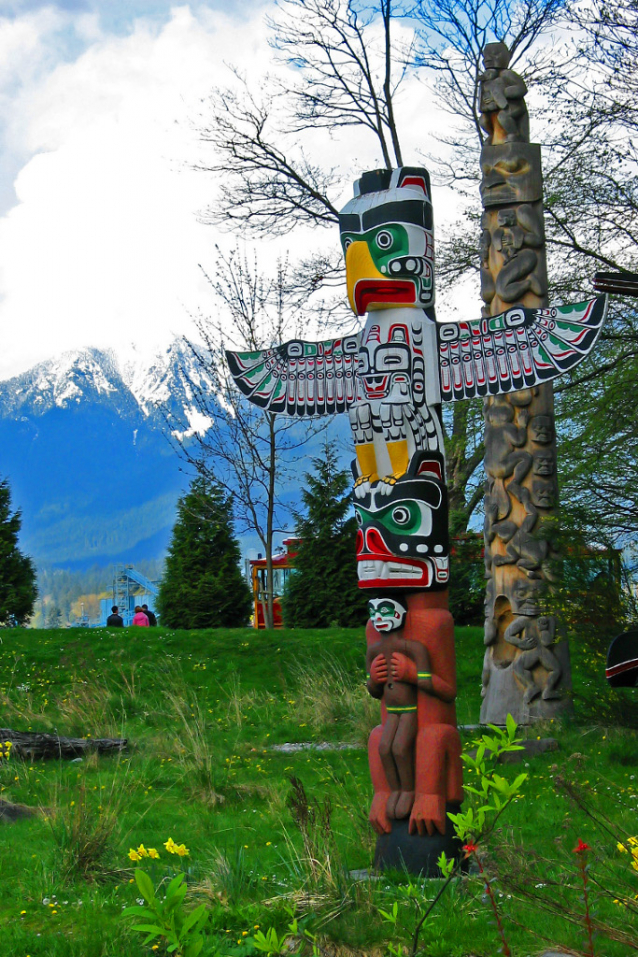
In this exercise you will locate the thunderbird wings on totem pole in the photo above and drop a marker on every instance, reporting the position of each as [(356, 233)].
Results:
[(391, 379)]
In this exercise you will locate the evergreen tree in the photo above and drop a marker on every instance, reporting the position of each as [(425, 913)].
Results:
[(53, 617), (323, 589), (17, 573), (203, 586)]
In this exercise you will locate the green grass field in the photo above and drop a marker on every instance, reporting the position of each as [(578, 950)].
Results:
[(202, 712)]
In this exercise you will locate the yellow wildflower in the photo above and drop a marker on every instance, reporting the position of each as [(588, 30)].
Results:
[(621, 848), (170, 845), (134, 856), (153, 853), (181, 850), (142, 851)]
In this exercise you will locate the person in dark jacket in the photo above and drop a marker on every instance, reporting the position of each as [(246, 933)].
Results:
[(152, 620), (114, 620)]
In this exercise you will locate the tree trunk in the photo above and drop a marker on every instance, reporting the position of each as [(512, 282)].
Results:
[(34, 746)]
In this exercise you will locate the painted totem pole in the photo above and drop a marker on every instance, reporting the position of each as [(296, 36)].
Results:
[(526, 671), (391, 378)]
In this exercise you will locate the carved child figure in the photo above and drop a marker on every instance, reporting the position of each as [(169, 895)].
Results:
[(502, 96), (535, 637), (396, 748), (504, 455), (415, 682)]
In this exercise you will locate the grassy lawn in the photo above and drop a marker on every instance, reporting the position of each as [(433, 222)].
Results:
[(202, 712)]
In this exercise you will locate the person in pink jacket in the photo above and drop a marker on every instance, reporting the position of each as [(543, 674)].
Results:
[(139, 618)]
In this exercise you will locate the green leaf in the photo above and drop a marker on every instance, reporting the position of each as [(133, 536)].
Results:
[(145, 886), (138, 911), (191, 920), (176, 898), (511, 726), (445, 864), (174, 884), (389, 918), (149, 929), (194, 948)]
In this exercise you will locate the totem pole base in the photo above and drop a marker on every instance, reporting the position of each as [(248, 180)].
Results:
[(402, 851)]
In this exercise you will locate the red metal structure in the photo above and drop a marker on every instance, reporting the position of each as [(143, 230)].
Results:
[(282, 565)]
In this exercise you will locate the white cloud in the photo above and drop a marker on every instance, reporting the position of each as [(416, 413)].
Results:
[(103, 246)]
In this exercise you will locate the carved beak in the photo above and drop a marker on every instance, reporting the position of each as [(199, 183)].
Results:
[(370, 289), (359, 265)]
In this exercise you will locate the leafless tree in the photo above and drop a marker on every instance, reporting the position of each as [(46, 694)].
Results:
[(248, 452)]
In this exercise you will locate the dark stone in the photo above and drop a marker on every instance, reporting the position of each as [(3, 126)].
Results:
[(10, 813), (413, 853)]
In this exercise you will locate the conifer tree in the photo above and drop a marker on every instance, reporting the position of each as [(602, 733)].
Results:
[(17, 574), (203, 586), (323, 589)]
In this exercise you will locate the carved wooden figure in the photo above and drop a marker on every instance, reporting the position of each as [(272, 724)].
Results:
[(415, 753), (526, 671), (391, 379)]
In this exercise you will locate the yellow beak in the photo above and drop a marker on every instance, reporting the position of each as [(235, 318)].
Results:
[(359, 265)]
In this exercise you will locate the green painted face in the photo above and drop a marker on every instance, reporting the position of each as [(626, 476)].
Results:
[(399, 518), (384, 244)]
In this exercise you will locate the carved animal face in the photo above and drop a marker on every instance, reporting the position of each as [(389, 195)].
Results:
[(541, 429), (390, 362), (499, 414), (387, 239), (386, 614), (543, 493), (402, 540), (526, 597), (496, 56), (511, 174), (543, 462)]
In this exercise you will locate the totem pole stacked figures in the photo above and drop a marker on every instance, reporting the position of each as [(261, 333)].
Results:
[(526, 670), (391, 378)]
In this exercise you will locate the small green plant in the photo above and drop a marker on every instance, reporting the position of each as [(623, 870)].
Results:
[(273, 944), (491, 795), (492, 792), (166, 919)]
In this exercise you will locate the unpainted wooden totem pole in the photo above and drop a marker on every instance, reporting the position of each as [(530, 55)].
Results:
[(526, 670), (391, 379)]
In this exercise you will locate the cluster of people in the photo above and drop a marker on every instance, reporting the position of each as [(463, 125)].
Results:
[(143, 617)]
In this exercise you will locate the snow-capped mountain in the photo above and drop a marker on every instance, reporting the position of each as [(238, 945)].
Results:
[(130, 386), (84, 447)]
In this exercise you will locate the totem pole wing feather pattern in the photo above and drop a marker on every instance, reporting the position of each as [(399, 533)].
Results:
[(516, 349), (299, 378)]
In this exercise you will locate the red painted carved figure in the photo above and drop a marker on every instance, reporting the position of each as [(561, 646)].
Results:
[(415, 754)]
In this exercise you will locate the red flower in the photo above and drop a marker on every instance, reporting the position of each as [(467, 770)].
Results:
[(581, 847), (469, 849)]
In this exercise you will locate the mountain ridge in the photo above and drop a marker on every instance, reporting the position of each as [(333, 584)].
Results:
[(85, 449)]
